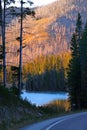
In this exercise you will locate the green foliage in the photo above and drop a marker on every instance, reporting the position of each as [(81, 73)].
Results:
[(83, 51), (77, 71), (15, 73), (15, 111), (7, 97), (14, 90), (74, 69), (79, 26), (14, 68)]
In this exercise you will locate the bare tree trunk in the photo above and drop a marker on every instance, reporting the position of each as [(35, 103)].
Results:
[(3, 39), (2, 24), (0, 17), (20, 58), (1, 50)]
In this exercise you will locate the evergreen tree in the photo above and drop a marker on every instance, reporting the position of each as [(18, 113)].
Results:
[(83, 53), (77, 72), (79, 27), (74, 74), (74, 71)]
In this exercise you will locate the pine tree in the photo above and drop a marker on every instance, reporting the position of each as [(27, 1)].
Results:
[(79, 27), (83, 54), (74, 81), (75, 69)]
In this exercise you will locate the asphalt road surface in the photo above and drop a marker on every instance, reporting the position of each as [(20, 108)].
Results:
[(70, 122)]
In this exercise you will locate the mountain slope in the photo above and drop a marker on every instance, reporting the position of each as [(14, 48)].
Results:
[(48, 33)]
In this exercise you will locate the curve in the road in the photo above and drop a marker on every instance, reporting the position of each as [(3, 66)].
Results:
[(69, 122), (56, 123), (73, 122)]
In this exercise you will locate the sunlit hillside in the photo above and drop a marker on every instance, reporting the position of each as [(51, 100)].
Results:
[(46, 34)]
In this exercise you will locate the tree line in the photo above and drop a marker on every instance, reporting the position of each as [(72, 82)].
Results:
[(49, 72), (46, 73), (40, 75)]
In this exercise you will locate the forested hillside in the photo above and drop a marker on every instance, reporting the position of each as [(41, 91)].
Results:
[(42, 49), (46, 36), (48, 33)]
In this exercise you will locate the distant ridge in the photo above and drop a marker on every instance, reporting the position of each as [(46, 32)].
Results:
[(47, 34)]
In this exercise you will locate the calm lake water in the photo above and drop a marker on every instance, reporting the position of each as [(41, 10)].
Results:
[(40, 99)]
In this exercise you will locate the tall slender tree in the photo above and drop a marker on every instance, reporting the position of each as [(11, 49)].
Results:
[(28, 12), (0, 16), (83, 53), (4, 46), (74, 75), (20, 58), (78, 29), (3, 27), (74, 71)]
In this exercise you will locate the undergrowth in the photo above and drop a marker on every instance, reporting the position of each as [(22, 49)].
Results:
[(15, 112)]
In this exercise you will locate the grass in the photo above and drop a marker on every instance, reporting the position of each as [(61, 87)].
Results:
[(59, 105), (53, 109), (15, 112)]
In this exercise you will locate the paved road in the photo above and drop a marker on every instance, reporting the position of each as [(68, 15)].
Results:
[(70, 122)]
